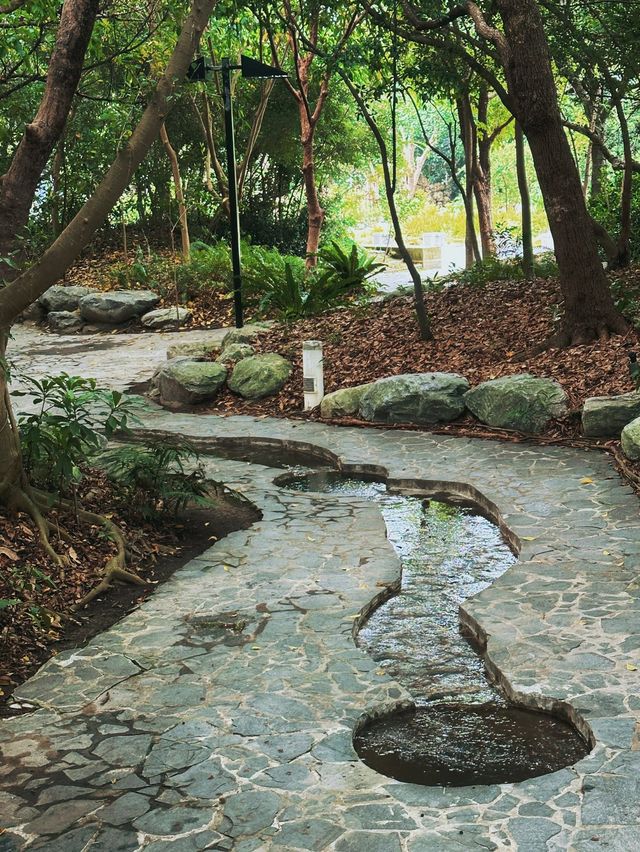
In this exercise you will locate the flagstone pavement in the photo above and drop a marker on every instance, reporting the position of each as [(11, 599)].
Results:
[(220, 714)]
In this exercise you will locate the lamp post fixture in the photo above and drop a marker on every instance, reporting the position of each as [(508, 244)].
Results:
[(201, 70)]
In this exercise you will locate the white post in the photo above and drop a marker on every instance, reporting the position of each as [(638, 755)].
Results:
[(312, 373)]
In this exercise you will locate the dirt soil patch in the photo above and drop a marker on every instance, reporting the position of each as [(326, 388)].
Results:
[(43, 622)]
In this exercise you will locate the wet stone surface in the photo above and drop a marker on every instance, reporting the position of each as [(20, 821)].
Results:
[(464, 731), (247, 746)]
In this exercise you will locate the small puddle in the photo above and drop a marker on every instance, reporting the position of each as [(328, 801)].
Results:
[(463, 730)]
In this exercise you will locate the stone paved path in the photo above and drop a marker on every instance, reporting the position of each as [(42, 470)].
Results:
[(173, 731)]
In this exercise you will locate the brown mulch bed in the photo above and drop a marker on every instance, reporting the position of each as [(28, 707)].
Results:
[(44, 622), (480, 332)]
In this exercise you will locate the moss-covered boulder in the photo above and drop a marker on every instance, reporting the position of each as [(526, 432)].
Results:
[(344, 402), (522, 402), (260, 375), (423, 398), (190, 382), (630, 439), (235, 352), (606, 416), (194, 349)]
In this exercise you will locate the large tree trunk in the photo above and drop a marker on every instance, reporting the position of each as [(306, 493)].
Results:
[(589, 309), (18, 185)]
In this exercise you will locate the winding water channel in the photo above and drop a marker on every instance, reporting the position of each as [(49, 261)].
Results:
[(463, 730)]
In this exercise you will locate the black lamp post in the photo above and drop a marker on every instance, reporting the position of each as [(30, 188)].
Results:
[(201, 70)]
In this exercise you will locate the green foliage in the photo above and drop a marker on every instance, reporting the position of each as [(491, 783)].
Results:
[(24, 581), (351, 267), (493, 269), (626, 295), (605, 208), (72, 416), (155, 480), (341, 274)]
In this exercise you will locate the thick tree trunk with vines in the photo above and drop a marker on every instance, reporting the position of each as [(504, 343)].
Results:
[(589, 312)]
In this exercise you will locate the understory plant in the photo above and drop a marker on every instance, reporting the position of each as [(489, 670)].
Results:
[(158, 478), (72, 418), (493, 269), (340, 275)]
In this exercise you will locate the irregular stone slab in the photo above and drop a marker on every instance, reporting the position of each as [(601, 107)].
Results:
[(194, 349), (165, 317), (606, 416), (246, 334), (523, 402), (235, 352), (64, 321), (344, 402), (63, 298), (415, 398), (190, 382), (118, 306), (260, 375)]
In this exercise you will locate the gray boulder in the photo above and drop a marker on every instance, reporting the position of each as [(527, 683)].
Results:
[(190, 382), (630, 440), (523, 402), (246, 334), (606, 416), (117, 306), (235, 352), (64, 321), (260, 375), (165, 317), (63, 298), (194, 349), (344, 402), (423, 398)]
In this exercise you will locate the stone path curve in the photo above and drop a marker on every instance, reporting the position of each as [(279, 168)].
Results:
[(172, 732)]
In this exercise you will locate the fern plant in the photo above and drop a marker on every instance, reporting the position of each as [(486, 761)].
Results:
[(158, 478)]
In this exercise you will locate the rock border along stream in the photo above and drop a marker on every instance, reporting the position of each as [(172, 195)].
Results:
[(220, 714)]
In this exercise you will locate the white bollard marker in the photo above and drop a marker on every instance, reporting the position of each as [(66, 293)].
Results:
[(312, 373)]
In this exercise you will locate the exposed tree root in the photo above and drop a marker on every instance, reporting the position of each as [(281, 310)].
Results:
[(115, 568), (579, 335), (19, 500)]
